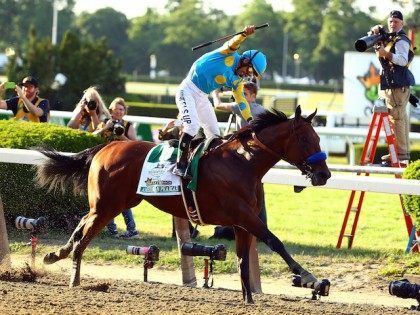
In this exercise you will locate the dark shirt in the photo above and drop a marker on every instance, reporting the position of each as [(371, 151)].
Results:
[(13, 105)]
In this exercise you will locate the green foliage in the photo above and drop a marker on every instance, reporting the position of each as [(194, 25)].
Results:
[(83, 62), (22, 135), (258, 12), (19, 193), (86, 62), (104, 23), (145, 37), (336, 37), (412, 203), (17, 17)]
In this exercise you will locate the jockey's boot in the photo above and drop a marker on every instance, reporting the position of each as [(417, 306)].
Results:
[(182, 159)]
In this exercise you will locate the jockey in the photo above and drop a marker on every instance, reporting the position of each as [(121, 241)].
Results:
[(222, 67)]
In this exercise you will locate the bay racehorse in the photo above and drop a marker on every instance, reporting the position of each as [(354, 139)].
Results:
[(229, 185)]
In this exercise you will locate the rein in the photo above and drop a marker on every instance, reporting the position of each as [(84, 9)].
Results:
[(264, 147), (313, 158)]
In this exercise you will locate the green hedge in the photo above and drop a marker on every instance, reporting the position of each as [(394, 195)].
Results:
[(163, 110), (412, 203), (265, 83), (19, 192)]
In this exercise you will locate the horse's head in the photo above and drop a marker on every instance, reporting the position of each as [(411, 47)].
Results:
[(295, 141)]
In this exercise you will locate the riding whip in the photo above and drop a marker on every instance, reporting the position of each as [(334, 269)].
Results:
[(225, 37)]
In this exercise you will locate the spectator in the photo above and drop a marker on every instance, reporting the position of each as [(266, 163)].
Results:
[(222, 67), (27, 105), (250, 91), (395, 56), (116, 129), (89, 112)]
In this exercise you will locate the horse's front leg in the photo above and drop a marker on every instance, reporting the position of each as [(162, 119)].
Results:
[(243, 243), (257, 228), (276, 245)]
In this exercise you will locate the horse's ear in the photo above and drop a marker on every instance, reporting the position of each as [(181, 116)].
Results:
[(298, 112), (311, 116)]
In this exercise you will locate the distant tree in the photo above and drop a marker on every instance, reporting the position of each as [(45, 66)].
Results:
[(104, 23), (86, 63), (17, 17), (341, 26), (37, 58), (269, 40), (303, 27), (145, 37), (186, 25)]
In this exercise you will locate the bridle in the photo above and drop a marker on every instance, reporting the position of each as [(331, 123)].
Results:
[(306, 165)]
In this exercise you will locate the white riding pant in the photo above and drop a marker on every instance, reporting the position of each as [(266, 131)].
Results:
[(196, 110)]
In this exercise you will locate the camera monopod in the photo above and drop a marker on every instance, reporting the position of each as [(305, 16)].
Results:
[(151, 254), (225, 37), (320, 288), (35, 226), (216, 252)]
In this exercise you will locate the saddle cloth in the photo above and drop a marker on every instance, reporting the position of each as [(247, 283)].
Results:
[(156, 178)]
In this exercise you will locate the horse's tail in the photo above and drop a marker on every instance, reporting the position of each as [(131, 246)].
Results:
[(63, 171)]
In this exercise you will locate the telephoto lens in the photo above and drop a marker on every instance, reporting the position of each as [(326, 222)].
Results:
[(91, 105), (25, 223), (30, 224), (405, 289), (118, 129), (217, 252), (150, 253)]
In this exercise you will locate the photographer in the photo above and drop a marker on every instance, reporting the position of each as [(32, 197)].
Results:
[(395, 56), (89, 112), (118, 129), (27, 106)]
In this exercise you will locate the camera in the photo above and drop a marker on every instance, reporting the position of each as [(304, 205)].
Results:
[(368, 41), (118, 128), (151, 253), (35, 225), (405, 289), (91, 104), (216, 252)]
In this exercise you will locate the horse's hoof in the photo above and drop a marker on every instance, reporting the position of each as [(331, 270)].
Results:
[(307, 278), (249, 301), (50, 258)]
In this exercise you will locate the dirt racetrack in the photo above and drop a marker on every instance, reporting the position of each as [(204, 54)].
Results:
[(120, 290)]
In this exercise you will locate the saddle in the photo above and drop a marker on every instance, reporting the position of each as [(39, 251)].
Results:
[(199, 146)]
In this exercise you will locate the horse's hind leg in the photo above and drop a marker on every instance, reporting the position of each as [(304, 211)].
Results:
[(92, 226), (65, 250), (243, 243)]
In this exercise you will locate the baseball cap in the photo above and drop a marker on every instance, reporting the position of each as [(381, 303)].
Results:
[(396, 14), (30, 80)]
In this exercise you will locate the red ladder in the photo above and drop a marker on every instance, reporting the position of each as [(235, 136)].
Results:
[(380, 119)]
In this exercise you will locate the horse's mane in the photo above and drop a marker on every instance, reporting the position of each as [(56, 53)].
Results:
[(268, 118), (260, 121)]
